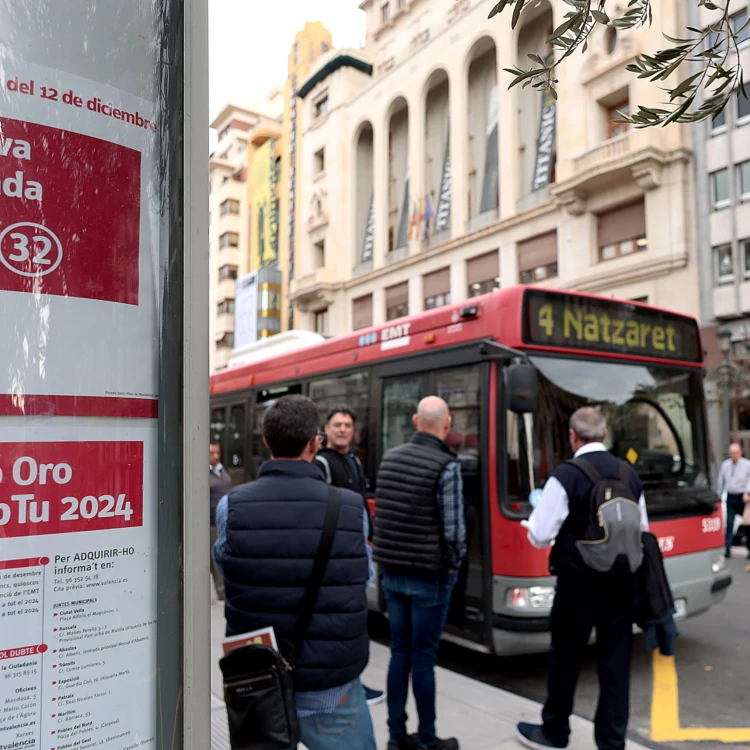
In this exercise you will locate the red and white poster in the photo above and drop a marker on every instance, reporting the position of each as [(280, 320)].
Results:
[(79, 239), (80, 289), (77, 586)]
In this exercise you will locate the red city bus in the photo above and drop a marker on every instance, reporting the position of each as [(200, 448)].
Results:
[(643, 367)]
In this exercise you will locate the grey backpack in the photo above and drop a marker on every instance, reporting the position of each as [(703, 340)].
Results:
[(612, 540)]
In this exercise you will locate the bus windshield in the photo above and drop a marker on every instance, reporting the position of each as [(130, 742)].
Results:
[(655, 420)]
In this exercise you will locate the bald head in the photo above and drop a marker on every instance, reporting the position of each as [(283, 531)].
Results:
[(433, 416), (735, 452)]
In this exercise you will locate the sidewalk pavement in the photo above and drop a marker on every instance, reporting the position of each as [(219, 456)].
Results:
[(482, 717)]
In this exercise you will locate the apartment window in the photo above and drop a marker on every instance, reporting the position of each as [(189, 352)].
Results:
[(743, 106), (391, 239), (615, 128), (743, 178), (226, 341), (397, 301), (611, 40), (385, 12), (437, 288), (320, 106), (720, 189), (362, 312), (319, 254), (741, 27), (230, 206), (719, 122), (229, 239), (724, 264), (482, 274), (319, 161), (745, 249), (537, 258), (227, 272), (324, 48), (296, 53), (622, 231), (402, 4), (226, 307), (321, 322)]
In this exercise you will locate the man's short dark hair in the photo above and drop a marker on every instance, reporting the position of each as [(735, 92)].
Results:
[(289, 425), (341, 409)]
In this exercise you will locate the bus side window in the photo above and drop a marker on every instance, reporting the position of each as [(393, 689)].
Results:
[(235, 459), (218, 428), (264, 399)]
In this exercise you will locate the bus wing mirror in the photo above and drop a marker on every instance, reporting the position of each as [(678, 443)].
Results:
[(522, 388)]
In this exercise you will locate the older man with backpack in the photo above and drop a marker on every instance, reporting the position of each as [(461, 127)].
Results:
[(594, 510)]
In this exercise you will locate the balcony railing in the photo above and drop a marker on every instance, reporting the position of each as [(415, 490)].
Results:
[(605, 152)]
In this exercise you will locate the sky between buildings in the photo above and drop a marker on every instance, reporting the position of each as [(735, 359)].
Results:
[(249, 41)]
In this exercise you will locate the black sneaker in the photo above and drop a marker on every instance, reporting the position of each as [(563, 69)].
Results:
[(532, 735), (449, 744), (373, 697), (408, 743)]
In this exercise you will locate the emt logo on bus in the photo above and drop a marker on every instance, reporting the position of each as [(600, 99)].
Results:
[(579, 322)]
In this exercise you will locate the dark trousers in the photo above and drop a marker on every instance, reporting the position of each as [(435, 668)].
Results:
[(218, 580), (417, 609), (583, 601), (735, 507)]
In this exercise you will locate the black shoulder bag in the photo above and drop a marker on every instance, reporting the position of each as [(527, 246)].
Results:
[(258, 685)]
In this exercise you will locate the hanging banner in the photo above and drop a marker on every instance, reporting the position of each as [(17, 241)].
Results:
[(263, 199), (367, 246), (491, 182), (246, 310), (403, 222), (443, 213), (545, 148)]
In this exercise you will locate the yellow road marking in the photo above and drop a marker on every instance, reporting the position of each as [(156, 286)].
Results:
[(665, 711)]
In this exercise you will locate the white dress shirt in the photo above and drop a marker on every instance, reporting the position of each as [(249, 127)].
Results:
[(547, 518), (218, 470)]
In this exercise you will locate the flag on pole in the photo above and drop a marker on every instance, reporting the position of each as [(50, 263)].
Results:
[(413, 222), (429, 214)]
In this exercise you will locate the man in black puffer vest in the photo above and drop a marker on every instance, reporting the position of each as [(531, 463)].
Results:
[(269, 531), (343, 469), (420, 542), (584, 599)]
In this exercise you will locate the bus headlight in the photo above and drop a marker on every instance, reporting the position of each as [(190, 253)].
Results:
[(535, 597), (718, 563)]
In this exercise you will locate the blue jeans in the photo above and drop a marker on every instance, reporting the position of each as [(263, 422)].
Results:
[(417, 608), (349, 727)]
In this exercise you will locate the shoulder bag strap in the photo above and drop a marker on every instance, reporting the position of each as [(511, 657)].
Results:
[(318, 571), (584, 466)]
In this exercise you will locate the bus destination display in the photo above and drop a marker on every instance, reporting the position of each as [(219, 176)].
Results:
[(572, 322)]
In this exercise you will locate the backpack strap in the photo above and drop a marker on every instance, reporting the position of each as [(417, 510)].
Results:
[(585, 467), (323, 463)]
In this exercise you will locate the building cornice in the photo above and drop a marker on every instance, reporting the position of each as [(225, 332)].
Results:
[(335, 63)]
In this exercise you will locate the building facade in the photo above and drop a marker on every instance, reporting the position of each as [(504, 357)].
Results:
[(229, 215), (430, 181), (722, 179)]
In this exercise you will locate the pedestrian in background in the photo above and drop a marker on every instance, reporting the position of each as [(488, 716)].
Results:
[(219, 484), (584, 598), (269, 532), (734, 479), (420, 542), (343, 469)]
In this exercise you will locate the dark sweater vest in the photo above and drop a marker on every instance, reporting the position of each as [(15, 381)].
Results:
[(408, 525), (273, 530), (577, 487)]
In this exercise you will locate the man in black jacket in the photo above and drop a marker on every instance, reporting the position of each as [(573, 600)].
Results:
[(584, 599), (342, 468), (219, 484), (420, 543), (269, 531)]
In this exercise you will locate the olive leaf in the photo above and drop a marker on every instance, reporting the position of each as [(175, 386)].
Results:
[(701, 71)]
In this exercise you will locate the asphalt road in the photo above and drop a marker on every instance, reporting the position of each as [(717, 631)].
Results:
[(712, 660)]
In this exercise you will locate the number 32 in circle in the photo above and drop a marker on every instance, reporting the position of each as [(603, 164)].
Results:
[(30, 249)]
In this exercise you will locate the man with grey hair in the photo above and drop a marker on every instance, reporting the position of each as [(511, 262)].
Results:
[(734, 479), (420, 543), (584, 599)]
